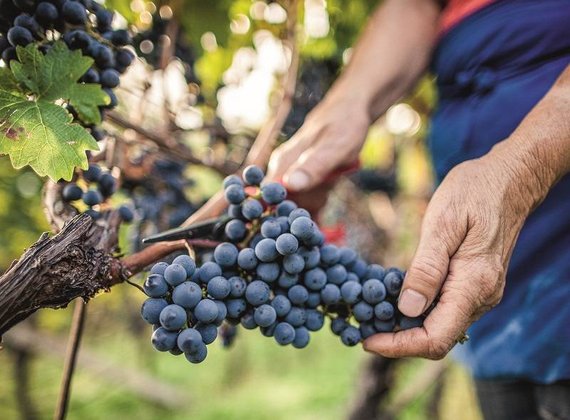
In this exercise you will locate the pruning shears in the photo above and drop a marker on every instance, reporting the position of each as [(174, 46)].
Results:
[(208, 229)]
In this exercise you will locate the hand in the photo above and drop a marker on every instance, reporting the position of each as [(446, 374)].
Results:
[(332, 136), (467, 238)]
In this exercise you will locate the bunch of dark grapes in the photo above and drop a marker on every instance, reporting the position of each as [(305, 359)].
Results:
[(83, 25), (99, 186), (275, 272)]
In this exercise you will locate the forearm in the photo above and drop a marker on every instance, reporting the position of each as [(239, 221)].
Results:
[(539, 149), (392, 53)]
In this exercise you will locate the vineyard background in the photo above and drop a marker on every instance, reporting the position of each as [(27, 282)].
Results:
[(235, 53)]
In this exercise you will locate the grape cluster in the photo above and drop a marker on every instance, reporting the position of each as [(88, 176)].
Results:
[(275, 272), (100, 186), (83, 25)]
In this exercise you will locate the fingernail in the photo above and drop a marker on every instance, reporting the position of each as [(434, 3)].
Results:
[(412, 303), (297, 180)]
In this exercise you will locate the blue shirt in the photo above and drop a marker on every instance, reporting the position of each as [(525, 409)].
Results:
[(492, 69)]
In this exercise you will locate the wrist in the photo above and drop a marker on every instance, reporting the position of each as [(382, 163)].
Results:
[(356, 98), (527, 173)]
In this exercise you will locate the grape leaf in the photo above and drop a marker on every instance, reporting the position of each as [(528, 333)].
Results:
[(54, 76), (8, 82), (41, 134)]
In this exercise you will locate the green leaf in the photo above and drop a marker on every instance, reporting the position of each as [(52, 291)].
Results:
[(42, 135), (8, 82), (54, 76)]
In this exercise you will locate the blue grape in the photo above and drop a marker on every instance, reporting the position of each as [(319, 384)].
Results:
[(287, 244), (296, 316), (237, 286), (350, 336), (175, 274), (126, 214), (226, 254), (235, 230), (110, 78), (367, 329), (293, 264), (222, 312), (271, 228), (268, 272), (298, 294), (253, 175), (285, 208), (206, 311), (234, 211), (251, 209), (248, 322), (266, 251), (92, 197), (264, 315), (268, 331), (406, 322), (284, 223), (209, 332), (384, 311), (284, 333), (95, 215), (287, 280), (159, 268), (209, 270), (296, 213), (330, 294), (151, 308), (155, 286), (273, 193), (373, 291), (303, 228), (375, 271), (93, 173), (347, 256), (318, 239), (385, 326), (189, 340), (315, 279), (315, 320), (350, 291), (330, 255), (234, 194), (46, 14), (314, 300), (282, 305), (219, 287), (352, 277), (255, 240), (362, 311), (198, 356), (338, 325), (337, 274), (232, 180), (236, 307), (312, 257), (359, 268), (187, 294), (302, 338), (393, 281), (257, 293), (71, 192), (173, 317), (107, 184), (186, 262), (247, 259), (19, 35), (74, 12), (163, 340)]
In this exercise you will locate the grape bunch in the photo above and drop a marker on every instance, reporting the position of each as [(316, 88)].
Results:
[(83, 25), (99, 187), (275, 272)]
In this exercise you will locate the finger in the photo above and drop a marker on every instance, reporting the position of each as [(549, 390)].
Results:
[(441, 236), (285, 155), (444, 325), (313, 166)]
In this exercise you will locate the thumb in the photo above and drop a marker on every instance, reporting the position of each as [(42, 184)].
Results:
[(429, 266), (311, 168)]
